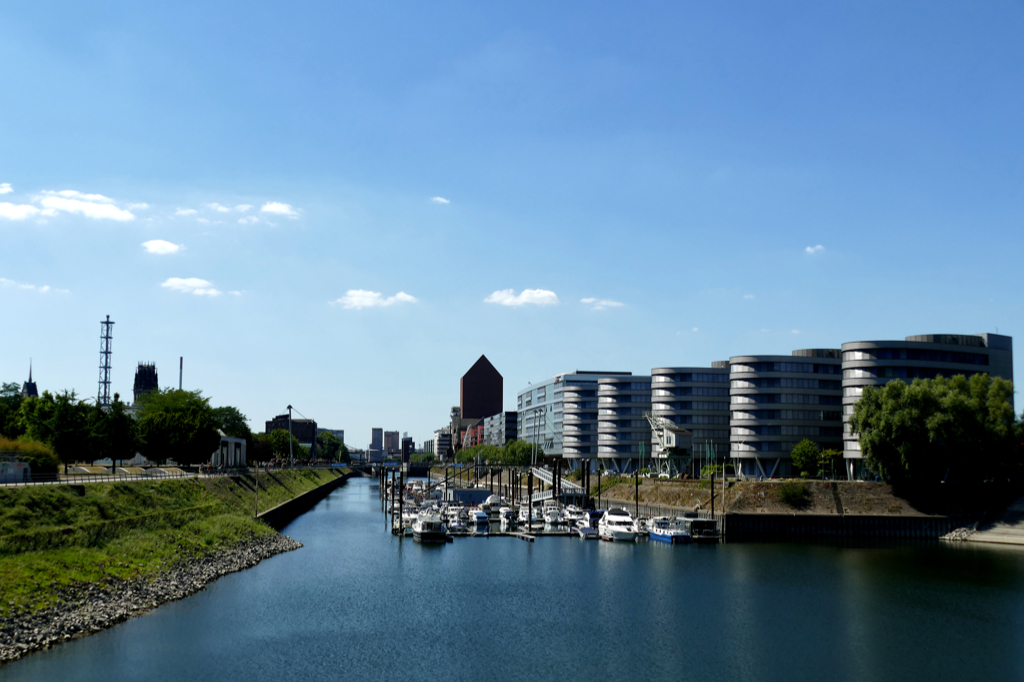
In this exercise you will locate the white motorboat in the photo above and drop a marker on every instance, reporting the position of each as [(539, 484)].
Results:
[(553, 515), (508, 519), (573, 514), (664, 529), (429, 528), (585, 530), (492, 505), (617, 525), (480, 519)]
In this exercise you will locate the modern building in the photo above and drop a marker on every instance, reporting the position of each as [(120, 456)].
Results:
[(501, 428), (778, 400), (303, 430), (480, 390), (696, 399), (926, 356), (623, 432), (560, 414), (427, 447), (408, 447), (392, 445), (29, 389), (146, 380), (442, 443), (375, 452)]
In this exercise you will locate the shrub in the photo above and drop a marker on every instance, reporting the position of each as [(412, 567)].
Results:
[(796, 495), (39, 456)]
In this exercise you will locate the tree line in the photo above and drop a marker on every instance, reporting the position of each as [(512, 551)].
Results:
[(170, 424)]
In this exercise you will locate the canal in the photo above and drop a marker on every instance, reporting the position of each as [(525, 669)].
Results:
[(357, 604)]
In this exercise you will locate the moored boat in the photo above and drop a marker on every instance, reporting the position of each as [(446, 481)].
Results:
[(670, 531), (617, 525), (429, 529)]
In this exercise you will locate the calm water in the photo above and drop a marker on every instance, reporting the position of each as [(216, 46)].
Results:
[(357, 604)]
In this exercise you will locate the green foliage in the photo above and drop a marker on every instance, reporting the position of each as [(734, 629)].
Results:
[(39, 456), (188, 437), (10, 401), (329, 447), (232, 422), (831, 462), (805, 457), (52, 536), (513, 453), (113, 432), (796, 495), (939, 429), (278, 440)]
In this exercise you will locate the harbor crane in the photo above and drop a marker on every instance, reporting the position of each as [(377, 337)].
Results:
[(674, 449)]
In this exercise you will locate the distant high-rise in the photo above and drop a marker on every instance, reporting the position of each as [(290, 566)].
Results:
[(480, 390), (146, 380), (391, 443)]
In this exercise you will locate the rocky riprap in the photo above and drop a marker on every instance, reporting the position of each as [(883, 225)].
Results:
[(959, 535), (86, 609)]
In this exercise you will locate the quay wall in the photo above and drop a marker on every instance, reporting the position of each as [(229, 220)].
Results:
[(280, 516), (754, 527)]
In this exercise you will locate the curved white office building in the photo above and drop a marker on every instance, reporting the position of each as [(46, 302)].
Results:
[(697, 399), (623, 433), (776, 401), (925, 356)]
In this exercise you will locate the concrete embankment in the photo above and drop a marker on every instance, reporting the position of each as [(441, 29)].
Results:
[(281, 515), (775, 527)]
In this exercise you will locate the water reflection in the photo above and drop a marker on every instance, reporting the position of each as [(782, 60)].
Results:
[(357, 603)]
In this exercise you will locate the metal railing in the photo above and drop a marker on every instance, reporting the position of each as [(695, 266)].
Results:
[(84, 478)]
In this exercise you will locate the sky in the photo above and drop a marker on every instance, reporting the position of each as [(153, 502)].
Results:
[(341, 206)]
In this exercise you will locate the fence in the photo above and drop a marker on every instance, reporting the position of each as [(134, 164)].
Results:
[(81, 479)]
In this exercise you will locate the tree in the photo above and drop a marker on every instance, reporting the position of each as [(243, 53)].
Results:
[(188, 437), (261, 450), (178, 425), (939, 429), (329, 446), (114, 433), (10, 401), (805, 457), (278, 439), (831, 461), (232, 422)]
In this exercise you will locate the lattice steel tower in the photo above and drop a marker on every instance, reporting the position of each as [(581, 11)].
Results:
[(106, 335)]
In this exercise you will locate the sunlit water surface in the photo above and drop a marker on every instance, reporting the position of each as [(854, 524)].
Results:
[(357, 604)]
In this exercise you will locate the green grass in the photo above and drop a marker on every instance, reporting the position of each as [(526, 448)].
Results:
[(53, 537)]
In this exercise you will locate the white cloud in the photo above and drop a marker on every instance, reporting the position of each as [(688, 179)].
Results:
[(277, 208), (357, 299), (191, 285), (160, 247), (186, 211), (137, 207), (45, 289), (220, 209), (818, 248), (202, 220), (248, 220), (440, 200), (94, 206), (235, 293), (748, 297), (695, 329), (242, 208), (531, 296), (5, 188), (17, 211), (600, 304), (81, 196), (795, 331)]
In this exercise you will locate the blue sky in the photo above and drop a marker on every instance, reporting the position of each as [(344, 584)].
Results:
[(726, 179)]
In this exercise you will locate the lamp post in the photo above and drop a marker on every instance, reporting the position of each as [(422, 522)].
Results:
[(291, 453)]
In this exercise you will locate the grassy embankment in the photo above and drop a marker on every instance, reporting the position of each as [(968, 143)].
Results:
[(56, 537)]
